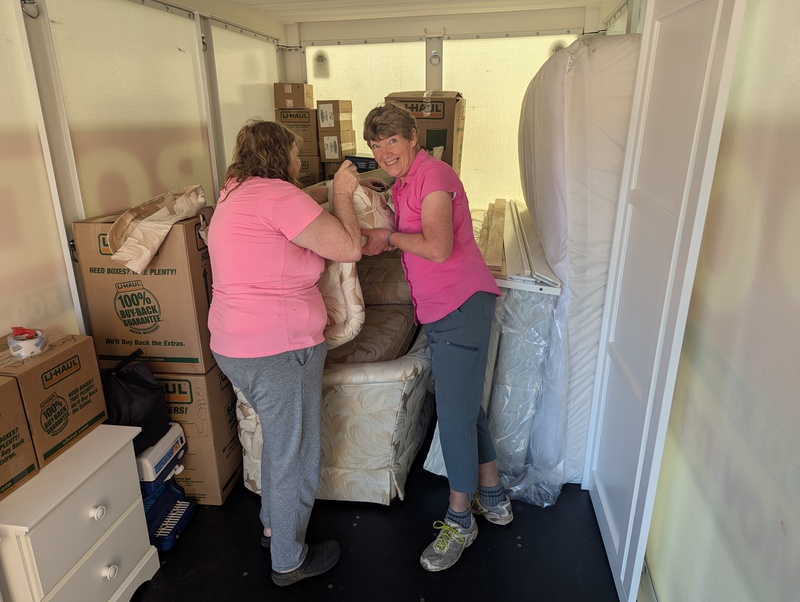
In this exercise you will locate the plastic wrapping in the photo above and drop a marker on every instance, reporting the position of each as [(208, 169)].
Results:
[(525, 418), (527, 424)]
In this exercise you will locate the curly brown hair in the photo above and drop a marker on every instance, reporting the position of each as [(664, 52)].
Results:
[(263, 150)]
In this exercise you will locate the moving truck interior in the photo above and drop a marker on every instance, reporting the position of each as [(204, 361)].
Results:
[(652, 144)]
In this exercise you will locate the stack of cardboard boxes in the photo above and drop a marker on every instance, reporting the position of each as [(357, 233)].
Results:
[(294, 108), (440, 119), (164, 311), (48, 402), (337, 138), (325, 127)]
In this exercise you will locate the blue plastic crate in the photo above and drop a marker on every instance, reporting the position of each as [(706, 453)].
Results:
[(362, 163)]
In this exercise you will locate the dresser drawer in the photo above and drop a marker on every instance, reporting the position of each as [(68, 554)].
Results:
[(67, 532), (104, 569)]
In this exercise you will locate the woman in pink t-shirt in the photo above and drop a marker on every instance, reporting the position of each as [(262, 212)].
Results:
[(268, 241), (454, 295)]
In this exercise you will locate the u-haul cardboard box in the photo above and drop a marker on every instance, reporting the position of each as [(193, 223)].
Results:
[(17, 456), (163, 311), (331, 169), (205, 407), (302, 122), (310, 171), (440, 121), (61, 392)]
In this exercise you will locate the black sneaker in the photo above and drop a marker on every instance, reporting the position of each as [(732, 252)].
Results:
[(320, 558)]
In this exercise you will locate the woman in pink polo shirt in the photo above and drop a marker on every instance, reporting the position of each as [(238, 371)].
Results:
[(454, 295), (267, 242)]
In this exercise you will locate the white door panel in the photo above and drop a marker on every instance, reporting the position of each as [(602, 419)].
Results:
[(685, 66)]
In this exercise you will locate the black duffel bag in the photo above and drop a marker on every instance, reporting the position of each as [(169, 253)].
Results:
[(135, 398)]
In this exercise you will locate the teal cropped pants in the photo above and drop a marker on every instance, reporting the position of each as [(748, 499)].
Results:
[(459, 347)]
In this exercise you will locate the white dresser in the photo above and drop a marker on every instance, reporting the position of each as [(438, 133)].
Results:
[(77, 530)]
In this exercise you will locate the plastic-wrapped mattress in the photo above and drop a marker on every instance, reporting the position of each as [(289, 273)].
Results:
[(573, 129), (529, 454)]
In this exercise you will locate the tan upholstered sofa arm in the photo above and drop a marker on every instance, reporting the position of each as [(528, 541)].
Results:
[(406, 368)]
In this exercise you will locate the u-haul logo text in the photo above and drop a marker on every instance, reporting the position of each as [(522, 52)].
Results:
[(102, 245), (425, 109), (178, 391), (58, 373), (201, 244), (295, 116)]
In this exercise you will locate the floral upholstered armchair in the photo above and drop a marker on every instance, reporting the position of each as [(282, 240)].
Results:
[(375, 407)]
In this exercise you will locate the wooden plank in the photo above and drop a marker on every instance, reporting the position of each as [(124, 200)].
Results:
[(516, 261), (483, 241), (494, 248)]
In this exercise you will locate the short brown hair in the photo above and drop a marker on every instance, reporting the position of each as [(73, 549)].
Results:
[(263, 150), (389, 119)]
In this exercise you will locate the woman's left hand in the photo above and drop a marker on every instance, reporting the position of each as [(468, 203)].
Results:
[(376, 241), (375, 184)]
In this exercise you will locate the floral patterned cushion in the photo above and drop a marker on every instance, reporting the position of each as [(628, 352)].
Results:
[(339, 283), (383, 281), (387, 334)]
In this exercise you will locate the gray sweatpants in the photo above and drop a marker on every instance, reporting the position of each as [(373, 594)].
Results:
[(285, 390), (459, 347)]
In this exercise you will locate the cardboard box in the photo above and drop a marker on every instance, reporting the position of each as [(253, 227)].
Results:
[(302, 122), (334, 146), (294, 96), (17, 456), (205, 407), (310, 170), (331, 169), (60, 390), (440, 121), (363, 163), (307, 179), (334, 115), (310, 165), (163, 311)]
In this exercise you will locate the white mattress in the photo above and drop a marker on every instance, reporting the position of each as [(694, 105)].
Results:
[(573, 127)]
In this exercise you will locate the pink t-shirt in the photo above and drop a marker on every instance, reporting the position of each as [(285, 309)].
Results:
[(439, 288), (266, 300)]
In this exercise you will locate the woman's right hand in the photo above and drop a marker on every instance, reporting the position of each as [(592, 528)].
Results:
[(346, 179), (336, 235)]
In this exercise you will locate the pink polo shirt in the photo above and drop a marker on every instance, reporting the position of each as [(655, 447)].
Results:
[(266, 300), (439, 288)]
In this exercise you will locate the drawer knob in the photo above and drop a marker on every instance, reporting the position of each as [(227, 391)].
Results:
[(98, 513), (110, 571)]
